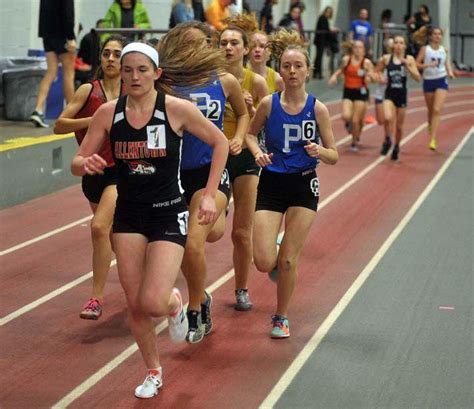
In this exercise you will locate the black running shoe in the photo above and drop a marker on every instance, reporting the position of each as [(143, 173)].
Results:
[(348, 126), (395, 152), (195, 327), (38, 119), (386, 146), (206, 314)]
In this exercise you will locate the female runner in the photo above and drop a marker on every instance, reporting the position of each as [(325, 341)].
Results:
[(243, 171), (357, 71), (100, 190), (396, 64), (145, 128), (288, 184), (433, 60)]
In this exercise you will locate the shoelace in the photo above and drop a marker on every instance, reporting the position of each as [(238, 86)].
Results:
[(153, 379), (92, 304)]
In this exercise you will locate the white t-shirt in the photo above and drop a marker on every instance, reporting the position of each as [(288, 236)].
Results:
[(439, 55)]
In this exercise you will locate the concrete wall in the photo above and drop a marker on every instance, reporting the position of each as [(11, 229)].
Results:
[(27, 173)]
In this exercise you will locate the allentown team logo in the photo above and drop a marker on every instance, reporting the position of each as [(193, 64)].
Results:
[(140, 167)]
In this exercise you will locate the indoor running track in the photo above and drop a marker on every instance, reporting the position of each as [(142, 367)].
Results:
[(369, 206)]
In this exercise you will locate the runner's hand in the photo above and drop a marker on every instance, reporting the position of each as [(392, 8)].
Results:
[(312, 149), (235, 146), (94, 165), (207, 210), (263, 159)]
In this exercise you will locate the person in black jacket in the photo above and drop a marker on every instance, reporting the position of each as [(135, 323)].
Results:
[(56, 27), (325, 37)]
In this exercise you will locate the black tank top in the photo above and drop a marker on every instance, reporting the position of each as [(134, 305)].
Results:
[(147, 159), (397, 77)]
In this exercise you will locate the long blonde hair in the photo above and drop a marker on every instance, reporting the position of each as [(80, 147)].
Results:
[(187, 63)]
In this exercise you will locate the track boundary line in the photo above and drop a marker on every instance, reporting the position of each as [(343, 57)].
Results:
[(87, 218), (106, 369), (321, 332)]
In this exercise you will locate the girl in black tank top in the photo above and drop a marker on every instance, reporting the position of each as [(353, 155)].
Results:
[(394, 105), (150, 221)]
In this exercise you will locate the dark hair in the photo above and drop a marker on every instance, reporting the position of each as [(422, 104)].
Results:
[(425, 7), (134, 2), (119, 39), (100, 21), (386, 14)]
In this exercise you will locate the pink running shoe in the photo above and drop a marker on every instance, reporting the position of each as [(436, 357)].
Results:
[(92, 309)]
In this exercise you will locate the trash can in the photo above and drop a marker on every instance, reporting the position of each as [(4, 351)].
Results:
[(20, 90)]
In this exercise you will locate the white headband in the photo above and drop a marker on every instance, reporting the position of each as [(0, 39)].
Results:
[(142, 48)]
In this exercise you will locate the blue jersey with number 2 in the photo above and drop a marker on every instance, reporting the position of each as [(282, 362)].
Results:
[(286, 136), (211, 102)]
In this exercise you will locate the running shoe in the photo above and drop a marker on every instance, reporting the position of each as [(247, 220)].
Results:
[(196, 328), (92, 309), (280, 327), (38, 119), (354, 147), (206, 314), (149, 387), (177, 322), (433, 144), (386, 146), (395, 153), (242, 300)]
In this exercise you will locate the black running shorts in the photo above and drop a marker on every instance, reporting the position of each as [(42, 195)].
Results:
[(279, 191), (193, 180), (241, 165), (94, 185), (56, 45), (152, 223), (356, 94)]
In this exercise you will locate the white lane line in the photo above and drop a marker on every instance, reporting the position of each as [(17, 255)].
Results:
[(45, 235), (85, 219), (321, 332), (27, 308), (106, 369), (68, 286)]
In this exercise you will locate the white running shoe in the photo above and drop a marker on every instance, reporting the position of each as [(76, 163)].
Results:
[(178, 322), (149, 387)]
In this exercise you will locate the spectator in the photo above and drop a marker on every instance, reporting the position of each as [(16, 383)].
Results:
[(181, 11), (198, 11), (56, 27), (290, 20), (299, 20), (325, 38), (127, 14), (87, 45), (234, 8), (418, 26), (362, 30), (217, 11), (266, 16)]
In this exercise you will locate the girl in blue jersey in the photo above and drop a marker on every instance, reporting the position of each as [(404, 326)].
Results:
[(150, 222), (195, 168), (298, 135)]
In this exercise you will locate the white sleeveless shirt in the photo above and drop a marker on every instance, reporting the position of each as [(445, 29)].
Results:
[(439, 55)]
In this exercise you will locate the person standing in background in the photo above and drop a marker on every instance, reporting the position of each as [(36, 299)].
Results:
[(198, 11), (325, 37), (362, 30), (127, 14), (56, 27), (266, 16), (217, 11), (181, 12)]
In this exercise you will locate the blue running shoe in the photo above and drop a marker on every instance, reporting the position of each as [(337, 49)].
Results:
[(280, 327)]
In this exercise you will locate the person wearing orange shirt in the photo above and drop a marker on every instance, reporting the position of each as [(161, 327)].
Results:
[(216, 12)]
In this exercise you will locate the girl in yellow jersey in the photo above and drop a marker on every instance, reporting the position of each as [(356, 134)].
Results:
[(243, 171), (259, 56)]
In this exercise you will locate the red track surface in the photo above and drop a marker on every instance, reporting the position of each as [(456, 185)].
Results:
[(49, 351)]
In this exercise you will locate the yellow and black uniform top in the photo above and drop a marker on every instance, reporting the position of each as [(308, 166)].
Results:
[(230, 120), (271, 80)]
